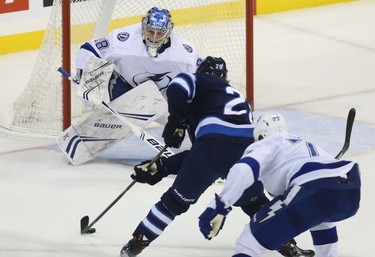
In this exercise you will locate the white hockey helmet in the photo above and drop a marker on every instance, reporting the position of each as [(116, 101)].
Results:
[(269, 124), (157, 27)]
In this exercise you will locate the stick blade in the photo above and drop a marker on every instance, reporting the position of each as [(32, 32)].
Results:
[(84, 223), (351, 117), (84, 226), (349, 126)]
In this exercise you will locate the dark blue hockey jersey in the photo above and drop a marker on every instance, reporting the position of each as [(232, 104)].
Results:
[(209, 105)]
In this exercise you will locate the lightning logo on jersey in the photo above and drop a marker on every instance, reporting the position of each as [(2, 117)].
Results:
[(273, 209), (282, 203)]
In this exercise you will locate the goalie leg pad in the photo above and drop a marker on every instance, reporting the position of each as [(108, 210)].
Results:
[(85, 139)]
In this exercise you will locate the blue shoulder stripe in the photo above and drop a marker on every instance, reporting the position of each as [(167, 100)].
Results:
[(254, 165), (89, 48), (315, 166), (187, 82)]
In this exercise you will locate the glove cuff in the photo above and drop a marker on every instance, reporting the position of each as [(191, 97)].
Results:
[(177, 124)]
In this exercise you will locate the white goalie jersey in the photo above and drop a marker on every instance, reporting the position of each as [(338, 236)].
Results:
[(125, 48)]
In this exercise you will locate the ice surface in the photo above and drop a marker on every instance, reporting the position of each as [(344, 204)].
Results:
[(313, 65)]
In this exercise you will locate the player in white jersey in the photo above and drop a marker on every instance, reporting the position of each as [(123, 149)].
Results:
[(146, 51), (312, 190)]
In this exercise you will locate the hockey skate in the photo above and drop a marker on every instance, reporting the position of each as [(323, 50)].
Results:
[(134, 247), (290, 249)]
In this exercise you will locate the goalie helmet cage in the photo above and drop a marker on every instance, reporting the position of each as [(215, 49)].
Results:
[(46, 106)]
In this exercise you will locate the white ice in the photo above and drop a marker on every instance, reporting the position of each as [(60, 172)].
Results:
[(313, 65)]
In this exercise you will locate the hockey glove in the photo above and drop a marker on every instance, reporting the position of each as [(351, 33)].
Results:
[(149, 176), (174, 132), (211, 221)]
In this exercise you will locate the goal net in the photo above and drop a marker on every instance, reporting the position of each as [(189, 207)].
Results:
[(217, 27)]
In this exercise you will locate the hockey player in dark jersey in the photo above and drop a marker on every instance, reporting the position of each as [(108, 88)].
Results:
[(218, 120)]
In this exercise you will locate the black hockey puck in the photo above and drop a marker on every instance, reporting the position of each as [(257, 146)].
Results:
[(91, 231)]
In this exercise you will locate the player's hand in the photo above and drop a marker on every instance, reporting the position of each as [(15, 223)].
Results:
[(152, 175), (211, 221), (174, 132)]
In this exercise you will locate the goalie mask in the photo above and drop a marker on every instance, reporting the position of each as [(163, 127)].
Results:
[(214, 66), (269, 124), (157, 27)]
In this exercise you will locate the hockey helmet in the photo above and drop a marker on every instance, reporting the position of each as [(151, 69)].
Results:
[(214, 66), (269, 124), (157, 27)]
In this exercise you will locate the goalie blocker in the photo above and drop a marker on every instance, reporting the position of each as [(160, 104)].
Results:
[(85, 139)]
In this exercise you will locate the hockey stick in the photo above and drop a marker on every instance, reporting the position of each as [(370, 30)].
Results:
[(142, 134), (139, 132), (348, 132), (88, 229)]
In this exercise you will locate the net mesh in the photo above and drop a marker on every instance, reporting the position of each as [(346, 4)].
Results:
[(216, 27)]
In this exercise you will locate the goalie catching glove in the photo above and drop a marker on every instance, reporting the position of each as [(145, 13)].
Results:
[(211, 221), (151, 175), (174, 132)]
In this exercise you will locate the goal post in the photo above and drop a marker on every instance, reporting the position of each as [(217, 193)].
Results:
[(249, 62), (66, 63), (46, 106)]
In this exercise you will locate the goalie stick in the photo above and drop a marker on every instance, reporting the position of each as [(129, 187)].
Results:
[(348, 132), (139, 132), (88, 229)]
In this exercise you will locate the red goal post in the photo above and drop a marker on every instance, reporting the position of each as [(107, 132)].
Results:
[(47, 105)]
